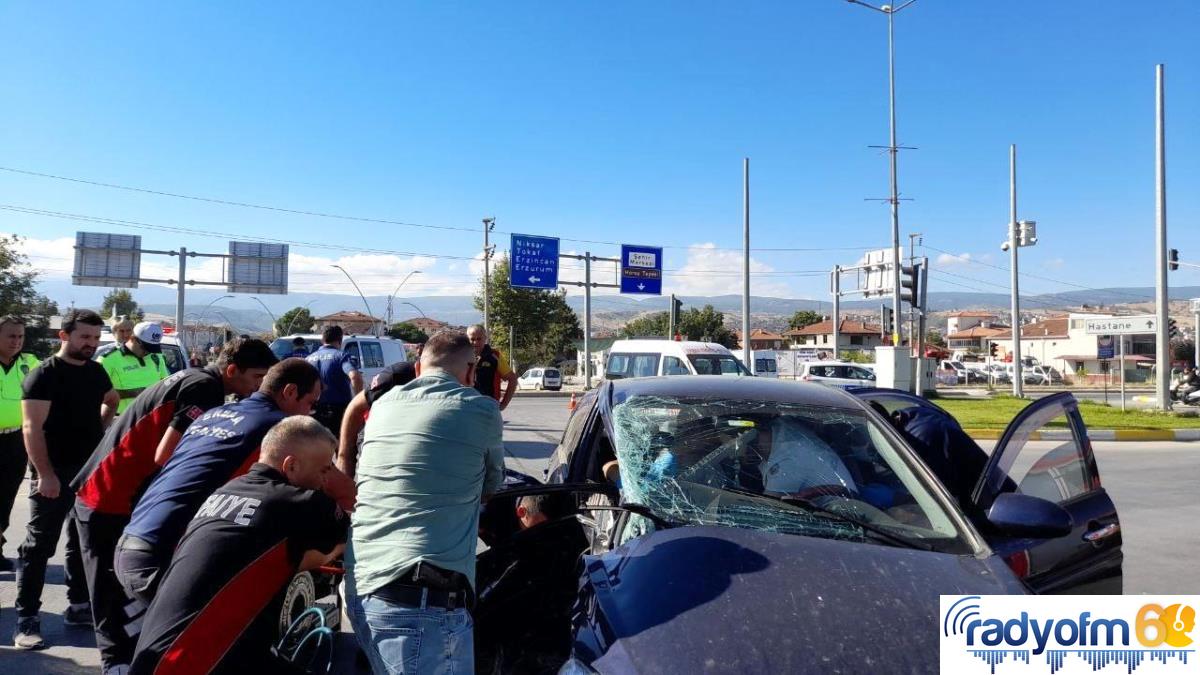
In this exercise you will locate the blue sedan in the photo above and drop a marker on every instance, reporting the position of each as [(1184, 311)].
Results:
[(737, 525)]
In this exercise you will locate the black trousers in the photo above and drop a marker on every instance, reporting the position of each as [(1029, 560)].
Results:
[(139, 569), (115, 615), (330, 416), (14, 464), (46, 520)]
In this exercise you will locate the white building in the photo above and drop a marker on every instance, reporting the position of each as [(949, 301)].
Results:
[(1062, 342)]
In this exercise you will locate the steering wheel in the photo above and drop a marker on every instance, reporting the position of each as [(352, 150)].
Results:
[(830, 490)]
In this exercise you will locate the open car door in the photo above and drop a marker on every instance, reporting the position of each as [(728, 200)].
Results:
[(1045, 452)]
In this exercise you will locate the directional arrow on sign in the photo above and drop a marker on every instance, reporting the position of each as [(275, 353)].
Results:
[(534, 280), (1150, 325), (641, 287)]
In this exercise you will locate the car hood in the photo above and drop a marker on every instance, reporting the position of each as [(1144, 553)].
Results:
[(729, 600)]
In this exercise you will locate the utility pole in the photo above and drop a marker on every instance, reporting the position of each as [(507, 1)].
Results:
[(488, 224), (837, 309), (1014, 243), (746, 358), (1162, 339)]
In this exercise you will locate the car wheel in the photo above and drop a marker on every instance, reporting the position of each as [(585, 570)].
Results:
[(301, 594)]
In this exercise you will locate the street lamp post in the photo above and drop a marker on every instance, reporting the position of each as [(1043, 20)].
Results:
[(416, 308), (360, 294), (893, 149), (209, 305), (272, 314), (292, 322), (393, 295)]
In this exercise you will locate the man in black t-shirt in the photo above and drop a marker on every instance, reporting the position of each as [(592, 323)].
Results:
[(395, 375), (211, 612), (66, 403)]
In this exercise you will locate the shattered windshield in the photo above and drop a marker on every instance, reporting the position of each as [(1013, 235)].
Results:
[(777, 467)]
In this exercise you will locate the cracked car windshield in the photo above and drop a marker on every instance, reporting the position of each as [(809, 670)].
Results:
[(739, 464)]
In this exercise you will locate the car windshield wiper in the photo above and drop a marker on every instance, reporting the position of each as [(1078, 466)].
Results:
[(814, 507)]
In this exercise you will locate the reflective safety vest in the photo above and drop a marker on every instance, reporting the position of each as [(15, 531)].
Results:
[(131, 375), (10, 390)]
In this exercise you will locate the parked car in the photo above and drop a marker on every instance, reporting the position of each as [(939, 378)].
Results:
[(710, 530), (173, 352), (965, 374), (999, 374), (371, 354), (647, 358), (837, 373), (1046, 375), (541, 377)]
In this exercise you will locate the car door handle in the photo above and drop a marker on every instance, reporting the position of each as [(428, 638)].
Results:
[(1102, 533)]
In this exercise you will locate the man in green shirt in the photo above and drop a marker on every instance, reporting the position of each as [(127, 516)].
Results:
[(14, 464), (137, 364), (432, 449)]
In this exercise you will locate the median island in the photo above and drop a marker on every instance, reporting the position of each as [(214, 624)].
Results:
[(996, 413)]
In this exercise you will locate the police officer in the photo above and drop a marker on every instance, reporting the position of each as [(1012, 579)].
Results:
[(340, 379), (14, 366), (299, 348), (132, 450), (492, 369), (137, 363), (219, 446)]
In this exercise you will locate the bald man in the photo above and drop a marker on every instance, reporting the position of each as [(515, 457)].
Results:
[(216, 608)]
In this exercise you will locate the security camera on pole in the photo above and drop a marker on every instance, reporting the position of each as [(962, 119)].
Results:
[(1020, 233)]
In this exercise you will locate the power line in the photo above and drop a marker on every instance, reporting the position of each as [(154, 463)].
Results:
[(364, 219)]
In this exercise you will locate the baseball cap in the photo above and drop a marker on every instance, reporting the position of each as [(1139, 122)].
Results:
[(150, 335)]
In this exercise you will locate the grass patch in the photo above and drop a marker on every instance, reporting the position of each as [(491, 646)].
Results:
[(996, 413)]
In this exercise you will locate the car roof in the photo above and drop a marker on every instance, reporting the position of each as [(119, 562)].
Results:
[(837, 363), (671, 346), (736, 388)]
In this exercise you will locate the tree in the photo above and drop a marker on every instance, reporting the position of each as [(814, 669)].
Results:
[(19, 296), (706, 324), (648, 325), (934, 337), (803, 318), (1184, 350), (407, 332), (121, 303), (295, 320), (543, 324)]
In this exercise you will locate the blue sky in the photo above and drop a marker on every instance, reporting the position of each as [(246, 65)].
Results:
[(614, 121)]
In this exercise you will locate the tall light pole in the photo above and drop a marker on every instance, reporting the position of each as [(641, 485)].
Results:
[(209, 305), (264, 306), (746, 351), (891, 12), (1162, 339), (416, 308), (488, 225), (292, 322), (360, 294), (393, 295)]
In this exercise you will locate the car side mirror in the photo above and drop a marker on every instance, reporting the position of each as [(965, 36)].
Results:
[(1021, 515), (871, 378)]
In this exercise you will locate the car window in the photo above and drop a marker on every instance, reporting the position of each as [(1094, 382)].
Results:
[(716, 364), (674, 366), (1055, 470), (351, 349), (372, 355), (631, 365), (551, 372), (174, 358), (723, 462), (571, 438), (856, 373)]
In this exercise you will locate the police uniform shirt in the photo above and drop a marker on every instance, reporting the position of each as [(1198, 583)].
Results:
[(335, 367), (11, 378), (218, 605), (123, 461), (73, 426), (220, 445), (131, 374)]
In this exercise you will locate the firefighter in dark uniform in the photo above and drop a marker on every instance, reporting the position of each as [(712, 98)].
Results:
[(492, 369), (220, 445), (129, 455), (14, 463), (216, 610)]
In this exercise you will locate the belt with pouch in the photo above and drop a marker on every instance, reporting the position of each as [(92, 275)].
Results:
[(424, 585)]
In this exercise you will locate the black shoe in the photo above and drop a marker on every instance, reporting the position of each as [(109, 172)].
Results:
[(78, 615), (28, 635), (6, 565)]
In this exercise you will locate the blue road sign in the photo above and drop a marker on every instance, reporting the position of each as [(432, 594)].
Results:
[(533, 262), (641, 269), (1104, 347)]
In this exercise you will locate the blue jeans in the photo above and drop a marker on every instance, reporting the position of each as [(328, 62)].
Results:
[(411, 640)]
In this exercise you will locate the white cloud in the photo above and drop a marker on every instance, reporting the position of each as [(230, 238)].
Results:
[(949, 259), (712, 271), (1054, 264)]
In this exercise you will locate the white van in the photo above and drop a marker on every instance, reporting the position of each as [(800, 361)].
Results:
[(648, 358), (173, 351), (372, 354)]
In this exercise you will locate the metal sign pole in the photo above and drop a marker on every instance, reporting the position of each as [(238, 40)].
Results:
[(837, 309), (1162, 340), (179, 294), (587, 320), (1122, 339), (1018, 383)]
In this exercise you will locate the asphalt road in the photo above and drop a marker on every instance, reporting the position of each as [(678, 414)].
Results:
[(1153, 485)]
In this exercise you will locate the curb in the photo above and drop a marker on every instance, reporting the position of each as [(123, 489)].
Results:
[(1097, 435)]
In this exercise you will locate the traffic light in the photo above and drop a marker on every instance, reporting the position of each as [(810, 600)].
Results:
[(676, 309), (1172, 329), (886, 324), (1173, 259), (992, 349), (910, 283)]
